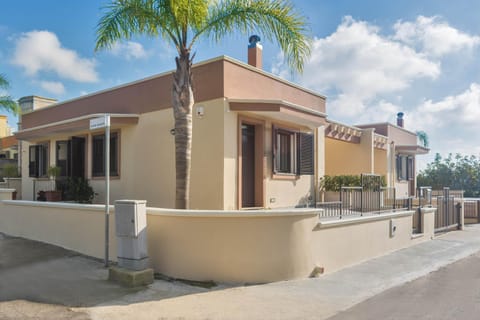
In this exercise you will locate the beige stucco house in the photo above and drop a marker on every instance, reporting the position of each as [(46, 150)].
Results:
[(258, 140), (380, 148)]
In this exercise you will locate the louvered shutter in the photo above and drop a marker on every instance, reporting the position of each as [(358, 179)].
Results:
[(306, 156)]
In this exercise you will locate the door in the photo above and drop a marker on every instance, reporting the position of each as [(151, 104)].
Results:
[(77, 157), (248, 165)]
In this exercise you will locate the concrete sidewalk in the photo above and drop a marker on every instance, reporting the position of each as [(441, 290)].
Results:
[(301, 299), (38, 280)]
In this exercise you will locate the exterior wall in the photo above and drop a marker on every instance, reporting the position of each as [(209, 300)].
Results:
[(402, 190), (347, 158), (320, 160), (223, 246), (4, 128), (278, 192), (230, 160), (360, 239), (216, 246), (381, 162), (73, 226), (242, 81), (281, 192)]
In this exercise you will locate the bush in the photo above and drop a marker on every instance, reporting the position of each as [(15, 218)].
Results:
[(334, 183), (79, 190), (10, 171)]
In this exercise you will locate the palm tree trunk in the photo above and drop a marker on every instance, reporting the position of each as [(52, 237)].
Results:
[(182, 98)]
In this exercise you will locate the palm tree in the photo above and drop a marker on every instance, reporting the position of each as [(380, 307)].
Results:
[(423, 138), (6, 102), (183, 22)]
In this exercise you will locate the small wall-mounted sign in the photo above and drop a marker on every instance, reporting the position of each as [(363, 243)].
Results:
[(100, 122)]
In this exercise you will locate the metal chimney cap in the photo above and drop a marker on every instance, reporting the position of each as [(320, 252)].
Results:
[(252, 40), (400, 115)]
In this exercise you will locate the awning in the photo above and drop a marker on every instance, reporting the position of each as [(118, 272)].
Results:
[(280, 110), (79, 124), (411, 149)]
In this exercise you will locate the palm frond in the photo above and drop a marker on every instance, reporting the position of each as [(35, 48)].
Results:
[(126, 18), (8, 104), (4, 82), (276, 20)]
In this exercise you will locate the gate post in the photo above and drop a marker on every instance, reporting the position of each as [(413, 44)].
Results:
[(459, 206), (478, 211)]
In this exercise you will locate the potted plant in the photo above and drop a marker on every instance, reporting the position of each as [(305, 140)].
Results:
[(54, 194)]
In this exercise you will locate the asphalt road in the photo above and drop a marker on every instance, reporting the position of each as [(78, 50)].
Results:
[(450, 293)]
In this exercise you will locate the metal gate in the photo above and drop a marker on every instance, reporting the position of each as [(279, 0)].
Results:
[(447, 216)]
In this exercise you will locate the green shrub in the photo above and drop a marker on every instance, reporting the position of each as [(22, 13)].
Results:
[(79, 190), (334, 183)]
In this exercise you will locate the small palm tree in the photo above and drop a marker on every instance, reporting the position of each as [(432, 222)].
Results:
[(183, 22), (6, 102), (423, 138)]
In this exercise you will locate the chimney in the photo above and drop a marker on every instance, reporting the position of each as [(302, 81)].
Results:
[(400, 119), (31, 103), (255, 51)]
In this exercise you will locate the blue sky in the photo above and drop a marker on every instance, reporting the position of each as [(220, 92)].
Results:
[(370, 58)]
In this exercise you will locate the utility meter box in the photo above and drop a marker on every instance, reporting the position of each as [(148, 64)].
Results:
[(131, 232), (393, 228)]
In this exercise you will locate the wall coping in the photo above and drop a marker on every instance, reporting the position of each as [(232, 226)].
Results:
[(5, 190), (345, 221), (234, 213), (60, 205), (174, 212), (429, 210)]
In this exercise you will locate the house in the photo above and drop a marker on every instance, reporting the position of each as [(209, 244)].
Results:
[(380, 148), (257, 139)]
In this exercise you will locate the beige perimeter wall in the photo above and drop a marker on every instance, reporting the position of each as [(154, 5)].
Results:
[(223, 246)]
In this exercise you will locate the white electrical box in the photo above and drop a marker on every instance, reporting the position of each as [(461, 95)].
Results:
[(131, 232), (130, 217)]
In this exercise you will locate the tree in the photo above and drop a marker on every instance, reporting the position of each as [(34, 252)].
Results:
[(459, 172), (423, 138), (183, 22), (6, 101)]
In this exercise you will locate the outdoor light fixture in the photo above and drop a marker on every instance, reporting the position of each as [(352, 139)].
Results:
[(200, 111), (172, 131)]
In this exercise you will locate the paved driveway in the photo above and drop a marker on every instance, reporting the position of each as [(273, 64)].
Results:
[(41, 281)]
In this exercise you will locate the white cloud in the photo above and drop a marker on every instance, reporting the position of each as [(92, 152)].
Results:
[(129, 50), (41, 51), (462, 110), (359, 64), (54, 87), (434, 36)]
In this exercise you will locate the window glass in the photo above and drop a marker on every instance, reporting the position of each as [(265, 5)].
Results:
[(98, 159), (38, 160), (293, 152)]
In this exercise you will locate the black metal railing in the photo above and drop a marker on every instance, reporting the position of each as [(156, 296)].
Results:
[(371, 197)]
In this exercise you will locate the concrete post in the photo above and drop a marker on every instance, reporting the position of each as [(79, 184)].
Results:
[(131, 235)]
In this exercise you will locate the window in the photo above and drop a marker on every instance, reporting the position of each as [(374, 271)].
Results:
[(38, 160), (293, 152), (62, 157), (98, 160), (405, 169)]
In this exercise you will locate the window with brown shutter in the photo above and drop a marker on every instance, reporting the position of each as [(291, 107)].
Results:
[(306, 155), (293, 152)]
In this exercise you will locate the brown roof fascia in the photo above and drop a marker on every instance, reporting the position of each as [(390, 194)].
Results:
[(8, 142), (212, 79), (138, 97)]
